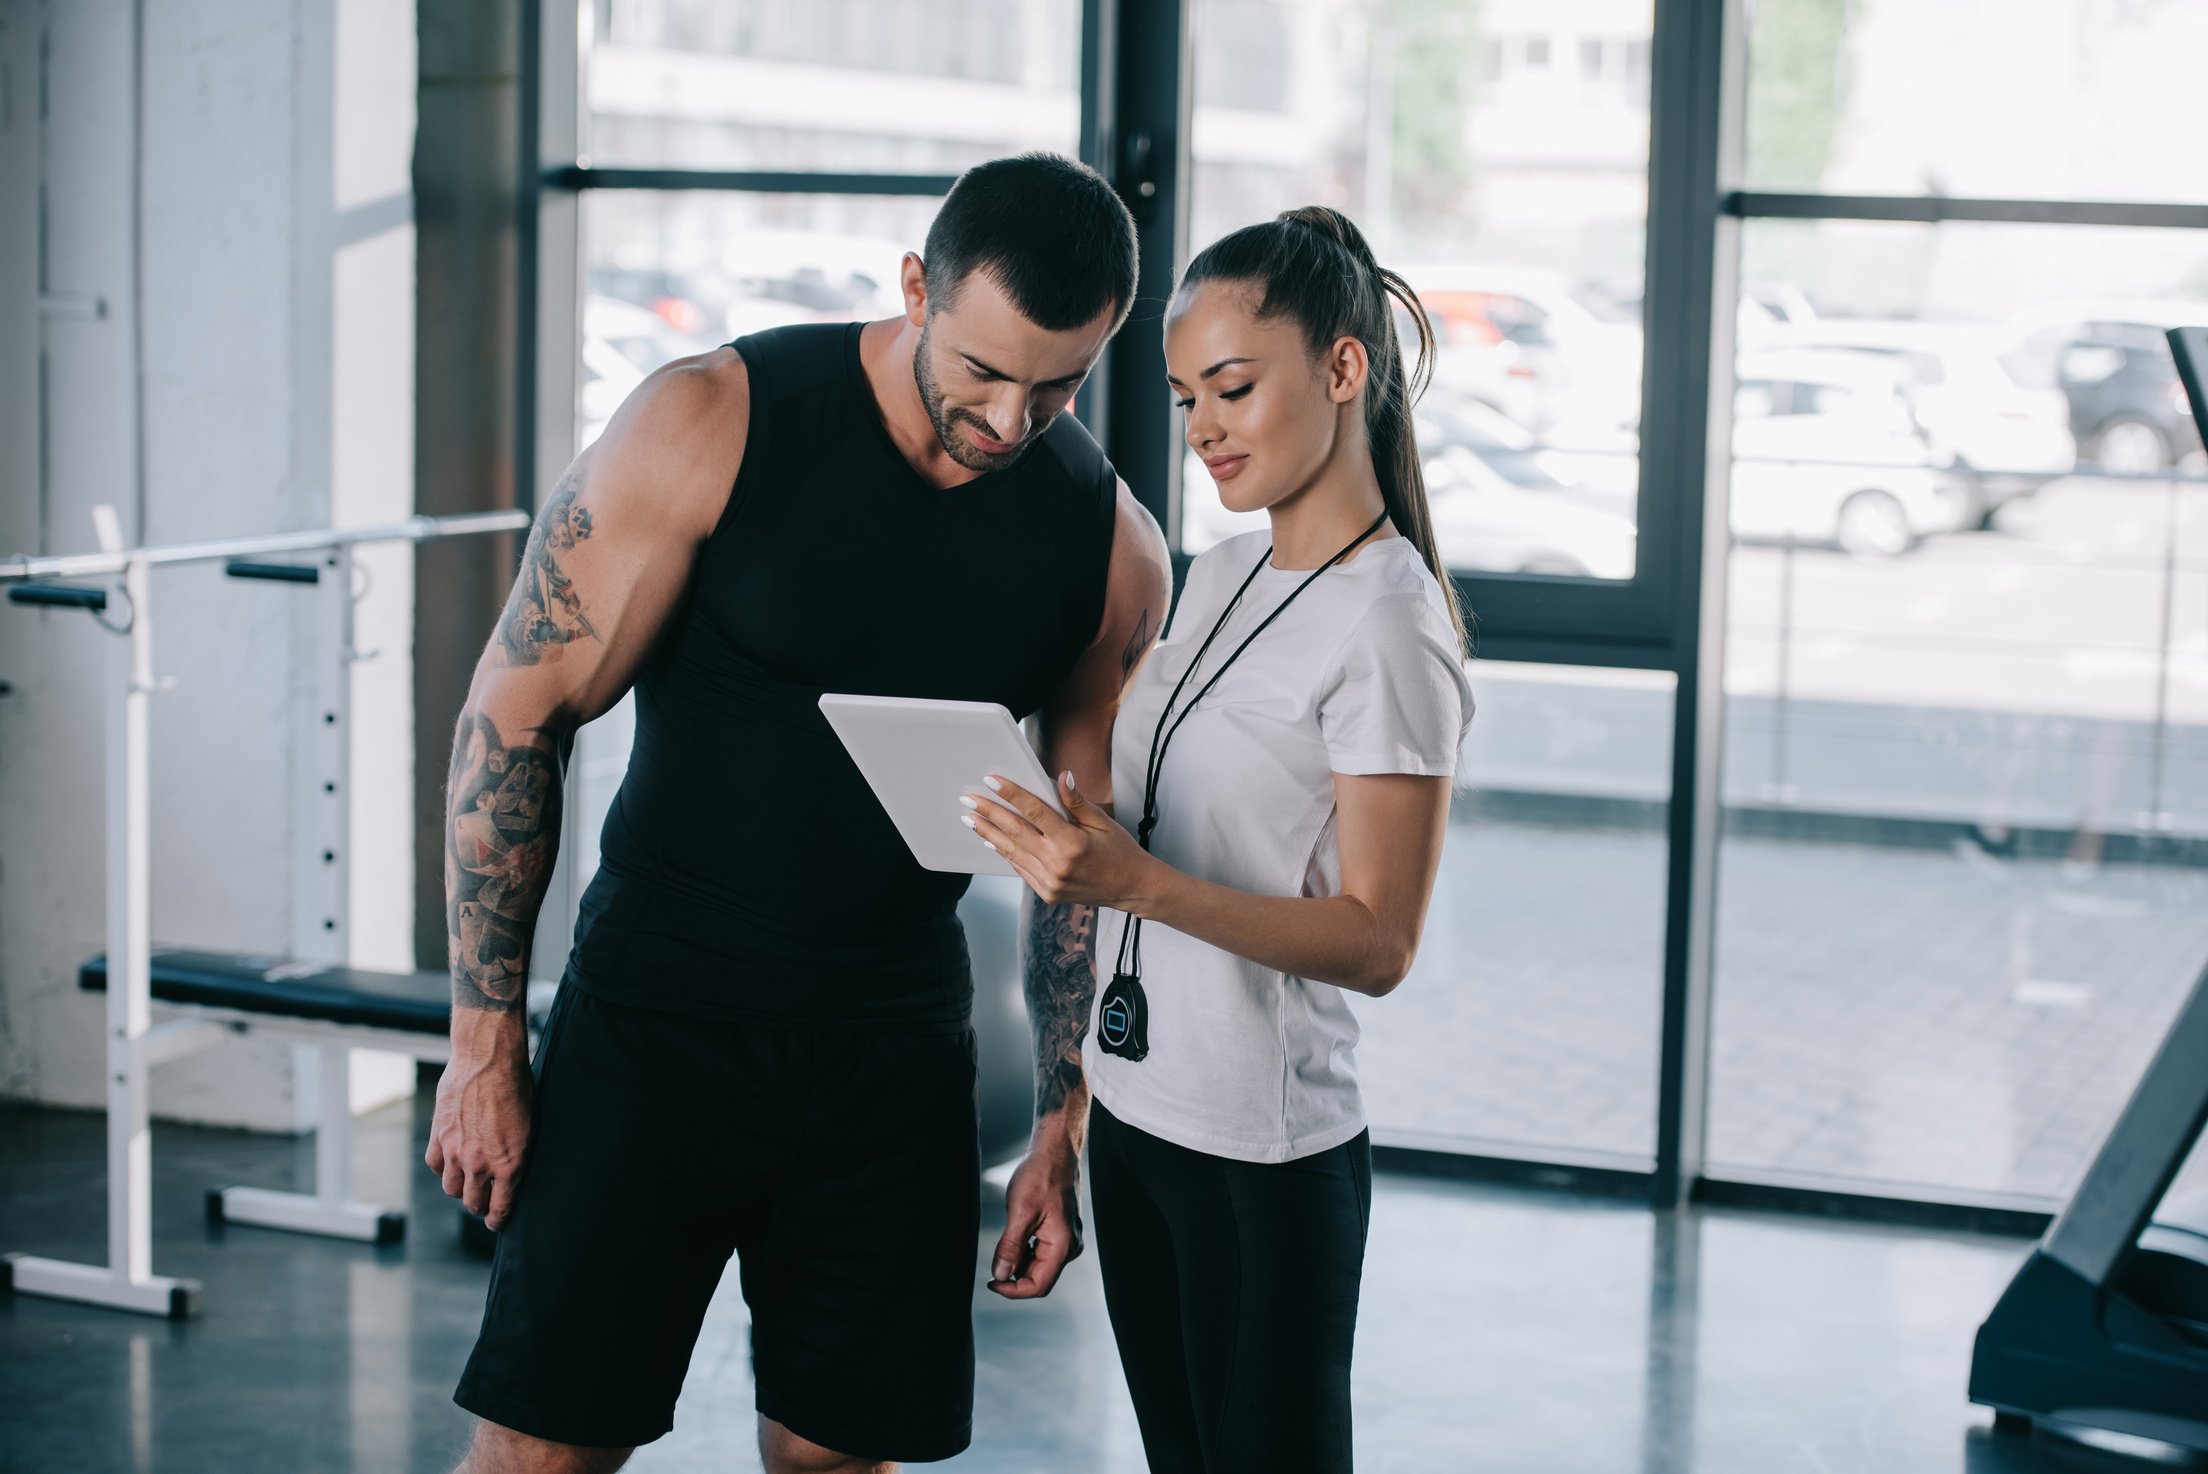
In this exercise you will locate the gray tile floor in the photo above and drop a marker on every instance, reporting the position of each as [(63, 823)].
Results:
[(1502, 1331)]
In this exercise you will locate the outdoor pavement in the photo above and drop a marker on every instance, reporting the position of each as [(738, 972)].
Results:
[(1934, 1019)]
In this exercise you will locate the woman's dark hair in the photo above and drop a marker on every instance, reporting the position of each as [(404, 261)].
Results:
[(1048, 229), (1314, 268)]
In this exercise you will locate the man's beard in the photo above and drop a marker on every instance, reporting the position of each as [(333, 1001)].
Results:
[(956, 446)]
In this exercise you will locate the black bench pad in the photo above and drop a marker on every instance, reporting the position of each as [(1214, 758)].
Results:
[(413, 1002)]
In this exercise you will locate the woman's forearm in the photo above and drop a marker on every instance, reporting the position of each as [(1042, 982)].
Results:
[(1328, 939)]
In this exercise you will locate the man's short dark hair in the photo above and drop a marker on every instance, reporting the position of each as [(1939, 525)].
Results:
[(1050, 231)]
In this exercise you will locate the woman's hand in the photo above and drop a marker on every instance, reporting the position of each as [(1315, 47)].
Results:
[(1084, 858)]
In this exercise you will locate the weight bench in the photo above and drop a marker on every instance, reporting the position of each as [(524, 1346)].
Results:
[(205, 997)]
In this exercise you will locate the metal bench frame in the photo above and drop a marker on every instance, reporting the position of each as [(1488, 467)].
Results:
[(135, 1043)]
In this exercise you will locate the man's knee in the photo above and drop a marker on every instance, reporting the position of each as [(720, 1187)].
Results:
[(501, 1450), (783, 1452)]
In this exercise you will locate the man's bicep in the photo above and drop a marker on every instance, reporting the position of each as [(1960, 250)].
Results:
[(1077, 723), (612, 548)]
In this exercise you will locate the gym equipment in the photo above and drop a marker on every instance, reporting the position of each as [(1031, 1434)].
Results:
[(2106, 1325), (208, 998)]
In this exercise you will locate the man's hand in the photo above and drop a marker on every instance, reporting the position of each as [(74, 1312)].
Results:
[(1042, 1210), (481, 1129)]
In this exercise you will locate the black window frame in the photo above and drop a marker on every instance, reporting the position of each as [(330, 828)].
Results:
[(1136, 84)]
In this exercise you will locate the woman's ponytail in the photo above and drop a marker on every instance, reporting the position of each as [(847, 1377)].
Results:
[(1316, 267)]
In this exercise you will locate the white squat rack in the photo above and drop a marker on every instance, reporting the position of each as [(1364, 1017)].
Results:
[(320, 934)]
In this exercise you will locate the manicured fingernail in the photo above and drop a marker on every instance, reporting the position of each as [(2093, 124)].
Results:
[(992, 849), (971, 803), (1068, 776), (994, 785), (967, 820)]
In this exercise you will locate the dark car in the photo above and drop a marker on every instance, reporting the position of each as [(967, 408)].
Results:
[(2112, 362)]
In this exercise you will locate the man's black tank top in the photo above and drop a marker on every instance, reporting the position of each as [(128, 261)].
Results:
[(746, 869)]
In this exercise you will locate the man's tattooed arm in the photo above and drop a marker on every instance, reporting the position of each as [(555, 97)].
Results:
[(502, 830), (1059, 966), (502, 796), (1060, 972), (544, 612)]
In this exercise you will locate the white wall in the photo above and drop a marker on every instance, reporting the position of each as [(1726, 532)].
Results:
[(233, 183)]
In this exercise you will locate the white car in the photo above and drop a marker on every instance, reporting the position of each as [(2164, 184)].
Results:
[(1560, 355), (1555, 355), (2004, 438), (1826, 449), (1481, 521)]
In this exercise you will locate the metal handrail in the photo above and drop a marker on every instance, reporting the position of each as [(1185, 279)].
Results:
[(413, 529)]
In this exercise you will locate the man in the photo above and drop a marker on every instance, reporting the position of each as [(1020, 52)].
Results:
[(761, 1043)]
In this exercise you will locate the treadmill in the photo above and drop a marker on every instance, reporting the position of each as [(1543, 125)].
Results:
[(2106, 1325)]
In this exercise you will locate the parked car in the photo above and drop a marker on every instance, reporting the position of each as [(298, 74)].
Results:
[(1558, 356), (622, 342), (1827, 449), (2003, 438), (682, 301), (1481, 521), (2111, 360)]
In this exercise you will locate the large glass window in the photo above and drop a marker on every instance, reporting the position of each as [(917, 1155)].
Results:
[(1511, 190), (1962, 887), (1497, 155), (671, 273), (2066, 99), (1965, 787), (1529, 1024), (879, 86)]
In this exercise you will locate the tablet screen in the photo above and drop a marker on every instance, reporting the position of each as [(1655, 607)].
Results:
[(919, 755)]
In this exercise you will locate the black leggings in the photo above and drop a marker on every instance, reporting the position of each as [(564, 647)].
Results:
[(1233, 1293)]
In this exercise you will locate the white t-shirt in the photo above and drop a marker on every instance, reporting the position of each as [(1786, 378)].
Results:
[(1360, 675)]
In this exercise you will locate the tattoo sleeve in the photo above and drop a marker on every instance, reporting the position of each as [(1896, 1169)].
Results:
[(502, 831), (544, 612), (1060, 973)]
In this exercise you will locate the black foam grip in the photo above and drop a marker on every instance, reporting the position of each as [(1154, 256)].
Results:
[(273, 572), (58, 596)]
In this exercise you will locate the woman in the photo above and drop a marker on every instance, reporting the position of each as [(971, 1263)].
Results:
[(1289, 747)]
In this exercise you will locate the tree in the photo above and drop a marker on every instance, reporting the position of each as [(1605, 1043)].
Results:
[(1797, 89), (1433, 48)]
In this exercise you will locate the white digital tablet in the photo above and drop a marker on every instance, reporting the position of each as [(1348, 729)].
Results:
[(919, 755)]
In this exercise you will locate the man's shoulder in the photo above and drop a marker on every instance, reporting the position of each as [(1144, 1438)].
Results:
[(679, 438), (706, 394), (1075, 452)]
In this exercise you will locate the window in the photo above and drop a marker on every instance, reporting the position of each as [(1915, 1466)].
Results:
[(2081, 99), (1506, 1038), (910, 86), (1960, 731), (670, 273), (1516, 219), (1964, 774)]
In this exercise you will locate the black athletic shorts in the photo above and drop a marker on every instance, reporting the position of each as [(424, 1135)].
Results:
[(843, 1171)]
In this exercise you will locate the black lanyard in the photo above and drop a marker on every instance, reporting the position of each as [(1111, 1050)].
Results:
[(1125, 1012)]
